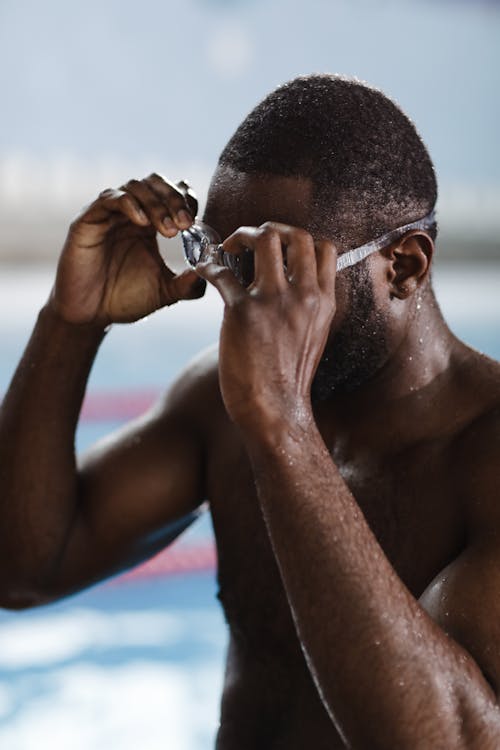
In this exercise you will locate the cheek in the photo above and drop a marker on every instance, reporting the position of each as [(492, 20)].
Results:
[(342, 303), (380, 286)]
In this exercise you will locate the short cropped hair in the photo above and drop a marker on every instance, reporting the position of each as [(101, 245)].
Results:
[(369, 168)]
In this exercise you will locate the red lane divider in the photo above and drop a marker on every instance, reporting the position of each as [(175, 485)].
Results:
[(192, 558), (120, 406), (117, 405)]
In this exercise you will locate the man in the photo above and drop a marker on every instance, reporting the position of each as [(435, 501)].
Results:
[(346, 440)]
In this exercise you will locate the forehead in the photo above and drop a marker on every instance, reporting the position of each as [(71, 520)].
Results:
[(237, 199)]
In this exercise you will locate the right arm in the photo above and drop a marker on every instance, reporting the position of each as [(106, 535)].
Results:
[(63, 527)]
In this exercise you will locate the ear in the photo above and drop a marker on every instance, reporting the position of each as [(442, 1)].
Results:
[(410, 259)]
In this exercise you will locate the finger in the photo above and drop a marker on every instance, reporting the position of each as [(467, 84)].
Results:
[(186, 285), (153, 206), (326, 262), (223, 280), (189, 196), (173, 197), (116, 201), (300, 254), (265, 243)]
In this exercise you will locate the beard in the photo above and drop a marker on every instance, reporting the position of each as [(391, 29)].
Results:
[(358, 349)]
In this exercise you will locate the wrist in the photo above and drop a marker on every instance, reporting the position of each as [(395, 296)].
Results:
[(93, 329), (68, 337), (271, 430)]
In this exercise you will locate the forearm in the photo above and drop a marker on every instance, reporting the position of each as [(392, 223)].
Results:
[(388, 675), (38, 483)]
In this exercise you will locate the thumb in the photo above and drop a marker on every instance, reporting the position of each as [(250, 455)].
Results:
[(186, 285), (223, 280)]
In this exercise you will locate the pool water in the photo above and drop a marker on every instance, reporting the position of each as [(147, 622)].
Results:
[(136, 663)]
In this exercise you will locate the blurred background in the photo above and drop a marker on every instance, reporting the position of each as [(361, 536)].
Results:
[(95, 93)]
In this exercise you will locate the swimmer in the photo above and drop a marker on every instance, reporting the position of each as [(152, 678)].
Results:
[(345, 440)]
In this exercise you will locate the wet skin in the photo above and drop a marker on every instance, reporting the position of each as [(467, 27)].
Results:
[(371, 595)]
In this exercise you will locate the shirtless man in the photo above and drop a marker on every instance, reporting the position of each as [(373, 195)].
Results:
[(345, 439)]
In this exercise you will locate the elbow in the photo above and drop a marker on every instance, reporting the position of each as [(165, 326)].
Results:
[(16, 595), (17, 603)]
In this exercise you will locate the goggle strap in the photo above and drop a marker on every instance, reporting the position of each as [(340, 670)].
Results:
[(357, 254)]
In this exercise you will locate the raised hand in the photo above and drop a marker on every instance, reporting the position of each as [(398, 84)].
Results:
[(110, 269), (274, 332)]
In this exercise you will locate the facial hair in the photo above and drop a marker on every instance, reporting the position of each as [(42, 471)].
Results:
[(358, 348)]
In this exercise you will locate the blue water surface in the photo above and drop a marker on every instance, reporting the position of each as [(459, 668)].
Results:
[(138, 665)]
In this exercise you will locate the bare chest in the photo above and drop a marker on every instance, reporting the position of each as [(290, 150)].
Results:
[(268, 685), (408, 501)]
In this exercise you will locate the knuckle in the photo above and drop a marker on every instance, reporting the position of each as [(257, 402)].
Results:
[(131, 184), (267, 225), (106, 193), (310, 299), (267, 232), (125, 198), (302, 236), (325, 245), (162, 184), (155, 177)]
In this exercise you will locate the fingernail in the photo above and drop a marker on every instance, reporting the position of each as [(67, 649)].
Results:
[(168, 223), (183, 217)]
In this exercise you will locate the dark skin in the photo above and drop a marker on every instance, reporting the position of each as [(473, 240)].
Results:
[(357, 539)]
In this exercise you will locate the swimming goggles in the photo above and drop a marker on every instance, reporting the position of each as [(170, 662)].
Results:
[(202, 244)]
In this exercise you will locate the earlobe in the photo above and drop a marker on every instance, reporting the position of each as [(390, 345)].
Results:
[(404, 289), (410, 263)]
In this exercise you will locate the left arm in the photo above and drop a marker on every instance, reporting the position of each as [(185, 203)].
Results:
[(372, 649)]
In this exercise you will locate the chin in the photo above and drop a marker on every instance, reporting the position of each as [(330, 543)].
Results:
[(349, 361)]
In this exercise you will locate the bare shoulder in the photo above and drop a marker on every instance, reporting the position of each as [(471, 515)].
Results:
[(464, 597), (195, 393), (479, 378), (476, 449), (183, 412)]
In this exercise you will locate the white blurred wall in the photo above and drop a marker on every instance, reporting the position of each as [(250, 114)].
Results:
[(95, 92)]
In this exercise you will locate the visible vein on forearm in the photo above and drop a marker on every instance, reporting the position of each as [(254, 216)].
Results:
[(370, 646)]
